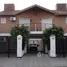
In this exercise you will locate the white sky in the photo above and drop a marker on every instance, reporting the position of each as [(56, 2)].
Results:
[(21, 4)]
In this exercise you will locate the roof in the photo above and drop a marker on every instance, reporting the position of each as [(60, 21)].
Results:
[(9, 12), (60, 12), (15, 12), (36, 6)]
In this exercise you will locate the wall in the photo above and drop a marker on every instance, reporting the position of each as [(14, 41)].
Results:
[(35, 14), (60, 22)]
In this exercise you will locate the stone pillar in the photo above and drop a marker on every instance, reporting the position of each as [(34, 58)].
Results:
[(19, 46), (52, 46)]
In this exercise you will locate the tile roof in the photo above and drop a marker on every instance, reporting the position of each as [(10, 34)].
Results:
[(15, 12), (36, 6), (9, 12), (60, 12)]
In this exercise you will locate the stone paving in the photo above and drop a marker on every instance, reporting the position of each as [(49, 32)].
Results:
[(31, 60)]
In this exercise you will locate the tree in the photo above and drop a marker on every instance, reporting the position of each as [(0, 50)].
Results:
[(57, 31), (23, 30)]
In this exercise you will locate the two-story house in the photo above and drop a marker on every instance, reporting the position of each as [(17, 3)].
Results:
[(36, 17)]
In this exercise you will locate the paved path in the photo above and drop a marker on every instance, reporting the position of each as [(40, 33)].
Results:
[(33, 61)]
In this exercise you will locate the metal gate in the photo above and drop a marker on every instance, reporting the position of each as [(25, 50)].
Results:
[(61, 46), (7, 45)]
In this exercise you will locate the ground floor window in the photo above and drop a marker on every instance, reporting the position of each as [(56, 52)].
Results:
[(2, 39)]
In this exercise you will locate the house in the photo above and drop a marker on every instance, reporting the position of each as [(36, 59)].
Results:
[(36, 17)]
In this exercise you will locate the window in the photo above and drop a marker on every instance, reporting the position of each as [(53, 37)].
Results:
[(3, 20), (46, 23), (13, 19), (66, 20), (2, 39), (25, 22)]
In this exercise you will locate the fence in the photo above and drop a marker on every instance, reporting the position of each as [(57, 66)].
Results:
[(61, 46)]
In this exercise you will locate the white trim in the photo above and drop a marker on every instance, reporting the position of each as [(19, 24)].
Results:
[(3, 20), (35, 39), (36, 32), (65, 34), (24, 20), (31, 32), (46, 20), (66, 19), (5, 34)]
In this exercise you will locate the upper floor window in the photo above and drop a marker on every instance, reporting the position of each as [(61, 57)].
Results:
[(3, 20), (66, 20), (24, 21), (46, 23)]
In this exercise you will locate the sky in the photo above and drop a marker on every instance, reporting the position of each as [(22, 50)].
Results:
[(21, 4)]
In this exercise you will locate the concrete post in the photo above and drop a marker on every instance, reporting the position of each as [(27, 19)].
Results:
[(25, 49), (52, 46), (19, 46)]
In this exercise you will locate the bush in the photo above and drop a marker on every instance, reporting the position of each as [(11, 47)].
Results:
[(57, 31), (23, 30)]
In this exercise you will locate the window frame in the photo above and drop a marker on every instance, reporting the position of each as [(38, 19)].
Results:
[(24, 23), (45, 22), (3, 19), (3, 39), (66, 20)]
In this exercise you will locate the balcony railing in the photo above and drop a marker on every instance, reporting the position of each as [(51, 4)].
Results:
[(38, 27), (35, 27)]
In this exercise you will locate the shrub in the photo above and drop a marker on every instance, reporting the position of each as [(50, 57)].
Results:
[(57, 31), (23, 30)]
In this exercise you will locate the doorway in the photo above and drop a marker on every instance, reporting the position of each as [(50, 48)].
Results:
[(33, 45)]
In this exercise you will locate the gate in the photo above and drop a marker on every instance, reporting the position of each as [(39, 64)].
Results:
[(7, 45), (3, 45), (61, 46)]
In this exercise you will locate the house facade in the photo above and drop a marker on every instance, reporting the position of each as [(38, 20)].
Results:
[(36, 17)]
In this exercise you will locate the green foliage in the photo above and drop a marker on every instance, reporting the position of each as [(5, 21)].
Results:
[(57, 31), (23, 30)]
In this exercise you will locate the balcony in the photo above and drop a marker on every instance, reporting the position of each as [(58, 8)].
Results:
[(35, 29), (36, 32)]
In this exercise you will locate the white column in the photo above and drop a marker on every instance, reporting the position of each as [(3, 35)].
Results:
[(52, 46), (19, 46)]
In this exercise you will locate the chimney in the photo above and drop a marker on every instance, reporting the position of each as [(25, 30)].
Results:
[(61, 7), (9, 7)]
